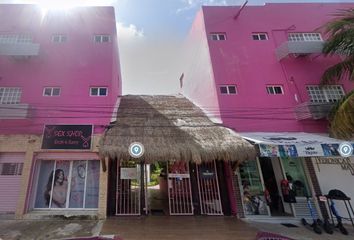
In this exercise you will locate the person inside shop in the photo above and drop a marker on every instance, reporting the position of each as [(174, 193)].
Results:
[(58, 193)]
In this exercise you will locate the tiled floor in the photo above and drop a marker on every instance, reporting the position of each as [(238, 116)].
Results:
[(181, 228)]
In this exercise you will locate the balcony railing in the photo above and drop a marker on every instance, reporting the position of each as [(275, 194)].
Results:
[(311, 110), (298, 48), (19, 49), (14, 111)]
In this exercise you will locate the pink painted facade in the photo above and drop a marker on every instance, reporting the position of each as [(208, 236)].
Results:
[(74, 66), (252, 65)]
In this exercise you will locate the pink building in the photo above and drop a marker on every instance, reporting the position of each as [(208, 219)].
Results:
[(257, 70), (59, 87)]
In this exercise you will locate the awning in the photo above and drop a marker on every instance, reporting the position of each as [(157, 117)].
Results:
[(295, 144)]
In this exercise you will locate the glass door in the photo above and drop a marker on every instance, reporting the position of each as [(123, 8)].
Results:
[(252, 189)]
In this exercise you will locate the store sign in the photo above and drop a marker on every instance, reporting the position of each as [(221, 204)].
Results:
[(345, 163), (207, 174), (128, 173), (299, 145), (67, 137)]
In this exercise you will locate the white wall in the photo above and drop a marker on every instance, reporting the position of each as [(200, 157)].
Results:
[(332, 176)]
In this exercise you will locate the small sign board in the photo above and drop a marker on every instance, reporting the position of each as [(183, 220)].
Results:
[(178, 175), (128, 173), (67, 137)]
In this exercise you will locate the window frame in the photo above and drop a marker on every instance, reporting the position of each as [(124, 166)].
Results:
[(325, 94), (304, 37), (51, 92), (61, 37), (217, 35), (258, 35), (101, 36), (274, 92), (13, 95), (228, 89), (98, 92)]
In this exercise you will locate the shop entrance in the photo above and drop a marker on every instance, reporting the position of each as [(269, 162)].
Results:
[(271, 172), (164, 188)]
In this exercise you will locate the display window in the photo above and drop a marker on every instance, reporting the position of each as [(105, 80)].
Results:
[(63, 184), (254, 202), (295, 174)]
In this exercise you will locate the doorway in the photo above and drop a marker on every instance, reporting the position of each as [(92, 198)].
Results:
[(272, 175)]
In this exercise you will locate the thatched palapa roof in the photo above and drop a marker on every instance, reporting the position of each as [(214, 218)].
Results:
[(171, 128)]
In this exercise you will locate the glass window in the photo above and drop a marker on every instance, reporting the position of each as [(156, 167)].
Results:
[(103, 91), (274, 90), (252, 189), (9, 95), (98, 91), (296, 176), (228, 89), (223, 90), (218, 36), (260, 36), (329, 93), (67, 184)]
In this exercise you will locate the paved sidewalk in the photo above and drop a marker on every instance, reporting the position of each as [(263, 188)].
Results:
[(157, 228)]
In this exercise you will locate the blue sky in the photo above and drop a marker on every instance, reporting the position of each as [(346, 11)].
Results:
[(150, 34)]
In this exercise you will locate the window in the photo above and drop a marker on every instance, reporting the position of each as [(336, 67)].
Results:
[(229, 89), (67, 184), (102, 38), (15, 38), (307, 37), (274, 90), (325, 94), (98, 91), (259, 36), (59, 38), (11, 169), (218, 36), (10, 95), (51, 91)]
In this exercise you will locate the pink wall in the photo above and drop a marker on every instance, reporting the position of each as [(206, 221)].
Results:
[(75, 66), (198, 81), (251, 65)]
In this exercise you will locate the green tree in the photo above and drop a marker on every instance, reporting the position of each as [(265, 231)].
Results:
[(340, 33)]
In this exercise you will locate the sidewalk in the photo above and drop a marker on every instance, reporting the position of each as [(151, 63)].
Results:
[(156, 227)]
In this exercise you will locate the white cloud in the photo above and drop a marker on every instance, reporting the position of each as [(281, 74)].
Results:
[(128, 32), (193, 4)]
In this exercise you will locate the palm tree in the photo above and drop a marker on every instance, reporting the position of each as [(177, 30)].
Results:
[(340, 32)]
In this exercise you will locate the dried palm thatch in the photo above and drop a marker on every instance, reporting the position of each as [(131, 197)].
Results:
[(171, 128)]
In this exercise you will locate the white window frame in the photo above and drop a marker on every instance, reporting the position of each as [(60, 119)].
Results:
[(325, 94), (10, 95), (228, 90), (15, 38), (258, 35), (99, 38), (217, 36), (305, 37), (59, 38), (51, 91), (98, 91), (271, 89)]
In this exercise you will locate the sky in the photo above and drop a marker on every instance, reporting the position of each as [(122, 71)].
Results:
[(151, 35)]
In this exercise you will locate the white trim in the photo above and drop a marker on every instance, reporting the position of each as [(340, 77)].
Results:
[(258, 35), (272, 87), (101, 37), (51, 91), (304, 37), (98, 92), (216, 36), (59, 38), (85, 184), (228, 89)]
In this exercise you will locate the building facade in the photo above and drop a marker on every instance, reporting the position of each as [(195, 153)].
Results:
[(59, 88), (257, 70)]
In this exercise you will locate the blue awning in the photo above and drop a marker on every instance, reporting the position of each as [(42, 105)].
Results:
[(297, 144)]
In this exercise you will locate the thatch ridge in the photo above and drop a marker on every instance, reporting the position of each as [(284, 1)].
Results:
[(171, 128)]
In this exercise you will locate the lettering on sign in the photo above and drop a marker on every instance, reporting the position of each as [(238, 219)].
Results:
[(67, 137), (345, 163)]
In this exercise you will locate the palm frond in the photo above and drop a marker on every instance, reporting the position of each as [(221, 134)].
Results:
[(342, 118), (344, 69)]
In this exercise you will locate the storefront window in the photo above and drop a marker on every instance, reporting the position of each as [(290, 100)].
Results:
[(67, 184), (253, 193), (295, 174)]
